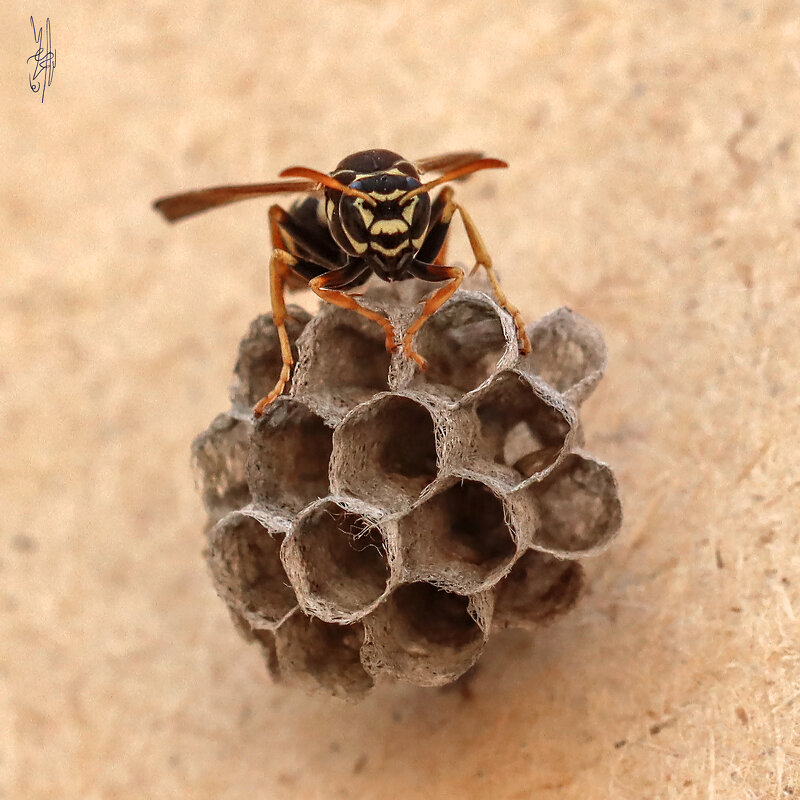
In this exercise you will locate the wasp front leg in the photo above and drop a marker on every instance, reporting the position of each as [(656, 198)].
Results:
[(430, 272), (330, 285), (436, 237), (280, 265), (284, 267)]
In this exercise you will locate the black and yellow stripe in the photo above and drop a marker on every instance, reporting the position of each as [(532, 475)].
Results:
[(387, 227)]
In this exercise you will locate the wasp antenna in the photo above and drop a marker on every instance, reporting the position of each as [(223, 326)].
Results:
[(325, 180), (458, 172)]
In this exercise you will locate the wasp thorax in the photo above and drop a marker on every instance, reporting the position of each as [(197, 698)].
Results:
[(384, 226)]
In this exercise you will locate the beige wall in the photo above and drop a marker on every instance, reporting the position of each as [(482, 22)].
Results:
[(653, 188)]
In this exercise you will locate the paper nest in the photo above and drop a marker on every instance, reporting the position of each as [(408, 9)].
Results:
[(379, 522)]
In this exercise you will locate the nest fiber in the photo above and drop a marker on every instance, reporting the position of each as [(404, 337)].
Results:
[(379, 522)]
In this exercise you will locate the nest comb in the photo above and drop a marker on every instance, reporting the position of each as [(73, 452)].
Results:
[(380, 522)]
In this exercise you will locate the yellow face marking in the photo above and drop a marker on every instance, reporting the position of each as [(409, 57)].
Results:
[(391, 196), (388, 226), (329, 207), (408, 211), (359, 247), (366, 214), (388, 251), (418, 241)]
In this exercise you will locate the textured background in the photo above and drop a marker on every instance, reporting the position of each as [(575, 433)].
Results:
[(654, 188)]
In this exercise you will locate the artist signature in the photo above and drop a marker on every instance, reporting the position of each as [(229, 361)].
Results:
[(45, 60)]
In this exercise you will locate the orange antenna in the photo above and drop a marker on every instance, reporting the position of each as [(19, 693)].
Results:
[(326, 180), (458, 172)]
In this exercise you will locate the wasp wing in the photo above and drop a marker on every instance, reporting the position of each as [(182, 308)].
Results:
[(178, 206), (447, 161)]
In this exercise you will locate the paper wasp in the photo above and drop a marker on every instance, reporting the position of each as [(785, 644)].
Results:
[(371, 215)]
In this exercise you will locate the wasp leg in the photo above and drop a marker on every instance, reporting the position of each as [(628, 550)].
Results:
[(286, 270), (430, 272), (442, 257), (305, 236), (280, 264), (278, 217), (437, 233), (329, 286), (483, 259)]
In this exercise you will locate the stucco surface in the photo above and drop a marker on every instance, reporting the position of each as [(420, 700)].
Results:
[(653, 188)]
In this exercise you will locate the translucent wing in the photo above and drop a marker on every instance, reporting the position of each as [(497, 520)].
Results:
[(446, 161), (460, 171), (178, 206)]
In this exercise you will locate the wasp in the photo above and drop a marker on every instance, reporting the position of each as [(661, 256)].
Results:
[(372, 215)]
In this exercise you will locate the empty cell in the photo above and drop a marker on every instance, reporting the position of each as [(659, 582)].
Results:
[(423, 635), (385, 452), (462, 344), (219, 455), (535, 460), (433, 619), (538, 589), (578, 505), (259, 361), (244, 558), (290, 450), (460, 536), (351, 361), (518, 420), (568, 352), (321, 655), (343, 361), (337, 562)]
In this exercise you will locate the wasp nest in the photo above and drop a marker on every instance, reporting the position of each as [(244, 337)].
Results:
[(380, 522)]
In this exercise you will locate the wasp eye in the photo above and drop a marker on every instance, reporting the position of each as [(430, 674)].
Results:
[(355, 218)]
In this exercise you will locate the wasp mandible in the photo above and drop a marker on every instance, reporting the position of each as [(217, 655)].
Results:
[(371, 216)]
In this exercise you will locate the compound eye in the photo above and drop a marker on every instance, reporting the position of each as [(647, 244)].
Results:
[(420, 217), (356, 217), (345, 176)]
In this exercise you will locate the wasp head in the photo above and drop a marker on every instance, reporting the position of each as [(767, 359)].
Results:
[(384, 228), (376, 219)]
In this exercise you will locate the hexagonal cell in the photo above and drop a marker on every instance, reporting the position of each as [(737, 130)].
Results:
[(463, 343), (259, 361), (287, 467), (578, 504), (244, 559), (219, 454), (319, 655), (339, 561), (385, 451), (539, 588), (425, 635), (568, 352), (519, 416), (342, 362), (459, 538)]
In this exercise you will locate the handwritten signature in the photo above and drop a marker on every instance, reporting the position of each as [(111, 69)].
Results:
[(45, 61)]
